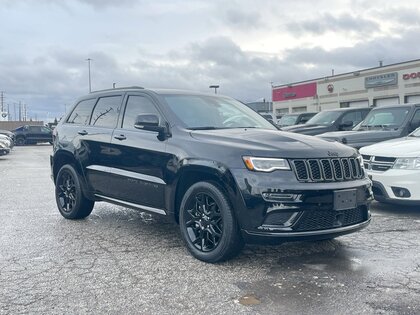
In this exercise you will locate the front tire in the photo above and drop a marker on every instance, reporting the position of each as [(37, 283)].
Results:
[(208, 225), (69, 196)]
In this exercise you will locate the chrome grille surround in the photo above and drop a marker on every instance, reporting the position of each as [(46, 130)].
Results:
[(378, 163)]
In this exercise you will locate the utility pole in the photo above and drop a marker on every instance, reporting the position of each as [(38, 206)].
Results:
[(20, 111), (2, 101), (90, 85)]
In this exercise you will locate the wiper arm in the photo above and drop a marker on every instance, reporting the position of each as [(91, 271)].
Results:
[(203, 128)]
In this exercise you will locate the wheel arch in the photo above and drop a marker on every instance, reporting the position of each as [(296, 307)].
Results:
[(197, 171), (63, 157)]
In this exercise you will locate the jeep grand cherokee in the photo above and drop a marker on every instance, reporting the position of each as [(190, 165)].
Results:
[(209, 163)]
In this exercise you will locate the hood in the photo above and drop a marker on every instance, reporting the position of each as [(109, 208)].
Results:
[(272, 143), (307, 129), (356, 136), (401, 147)]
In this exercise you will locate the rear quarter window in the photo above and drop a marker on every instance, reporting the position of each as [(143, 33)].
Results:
[(81, 112)]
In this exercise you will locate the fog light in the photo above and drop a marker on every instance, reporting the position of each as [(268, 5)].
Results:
[(279, 197), (401, 192)]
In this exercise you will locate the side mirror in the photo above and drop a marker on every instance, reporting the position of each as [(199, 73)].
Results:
[(147, 122), (150, 122), (346, 125)]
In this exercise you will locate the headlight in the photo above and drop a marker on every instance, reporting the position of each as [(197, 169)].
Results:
[(265, 164), (407, 164), (360, 159)]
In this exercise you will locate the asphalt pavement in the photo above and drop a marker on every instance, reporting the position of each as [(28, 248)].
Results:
[(121, 261)]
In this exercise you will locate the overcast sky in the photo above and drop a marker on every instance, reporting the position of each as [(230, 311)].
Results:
[(241, 45)]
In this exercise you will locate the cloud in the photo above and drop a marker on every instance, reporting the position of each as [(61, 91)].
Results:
[(330, 23), (240, 19), (192, 44)]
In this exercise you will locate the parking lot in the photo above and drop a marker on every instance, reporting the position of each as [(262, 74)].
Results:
[(119, 260)]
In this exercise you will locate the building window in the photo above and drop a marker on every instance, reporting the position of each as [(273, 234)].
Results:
[(300, 109)]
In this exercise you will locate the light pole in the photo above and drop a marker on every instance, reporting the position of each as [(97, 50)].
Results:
[(90, 86), (215, 87)]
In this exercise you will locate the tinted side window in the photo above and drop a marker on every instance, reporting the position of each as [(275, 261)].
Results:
[(45, 130), (137, 105), (34, 129), (81, 112), (355, 117), (106, 112), (416, 119)]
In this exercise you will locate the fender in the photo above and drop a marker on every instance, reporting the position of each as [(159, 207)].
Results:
[(192, 170), (68, 158)]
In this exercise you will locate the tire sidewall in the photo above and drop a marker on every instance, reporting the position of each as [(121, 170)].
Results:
[(221, 252), (20, 141), (75, 211)]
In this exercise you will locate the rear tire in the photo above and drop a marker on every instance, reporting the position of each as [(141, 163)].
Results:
[(208, 225), (20, 141), (69, 196)]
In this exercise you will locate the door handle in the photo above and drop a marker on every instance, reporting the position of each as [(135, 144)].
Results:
[(82, 132), (120, 137)]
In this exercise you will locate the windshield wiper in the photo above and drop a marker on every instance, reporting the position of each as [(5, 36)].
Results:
[(375, 126), (203, 128)]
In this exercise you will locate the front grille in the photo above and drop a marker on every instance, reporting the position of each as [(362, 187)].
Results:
[(378, 163), (320, 220), (318, 170)]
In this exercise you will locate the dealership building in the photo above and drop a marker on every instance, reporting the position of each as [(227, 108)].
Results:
[(384, 85)]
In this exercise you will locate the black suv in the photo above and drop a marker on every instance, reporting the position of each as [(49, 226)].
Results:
[(32, 135), (209, 163), (295, 119), (382, 123), (331, 120)]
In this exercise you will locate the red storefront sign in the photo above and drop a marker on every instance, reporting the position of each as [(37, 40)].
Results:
[(413, 75), (294, 92)]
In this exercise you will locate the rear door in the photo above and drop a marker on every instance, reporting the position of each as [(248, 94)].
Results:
[(88, 132), (139, 165), (34, 134), (97, 142), (45, 135)]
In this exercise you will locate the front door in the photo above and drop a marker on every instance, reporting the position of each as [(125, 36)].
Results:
[(139, 167)]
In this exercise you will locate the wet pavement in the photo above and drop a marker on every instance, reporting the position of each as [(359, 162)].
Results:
[(122, 261)]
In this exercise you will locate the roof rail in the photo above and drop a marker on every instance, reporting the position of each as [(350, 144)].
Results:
[(120, 88)]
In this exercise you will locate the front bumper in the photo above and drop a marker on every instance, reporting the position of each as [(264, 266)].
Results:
[(276, 207), (387, 184)]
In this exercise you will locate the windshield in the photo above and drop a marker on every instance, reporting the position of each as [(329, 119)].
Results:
[(211, 112), (385, 118), (326, 118), (288, 120)]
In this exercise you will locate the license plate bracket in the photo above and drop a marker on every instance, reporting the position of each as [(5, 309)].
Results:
[(345, 199)]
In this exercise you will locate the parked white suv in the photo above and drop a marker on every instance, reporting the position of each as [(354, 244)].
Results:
[(394, 167)]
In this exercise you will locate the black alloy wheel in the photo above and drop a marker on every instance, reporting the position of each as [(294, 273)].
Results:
[(208, 225), (71, 202), (204, 222)]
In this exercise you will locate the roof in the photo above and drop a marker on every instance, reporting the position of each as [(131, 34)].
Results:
[(346, 73), (157, 91)]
